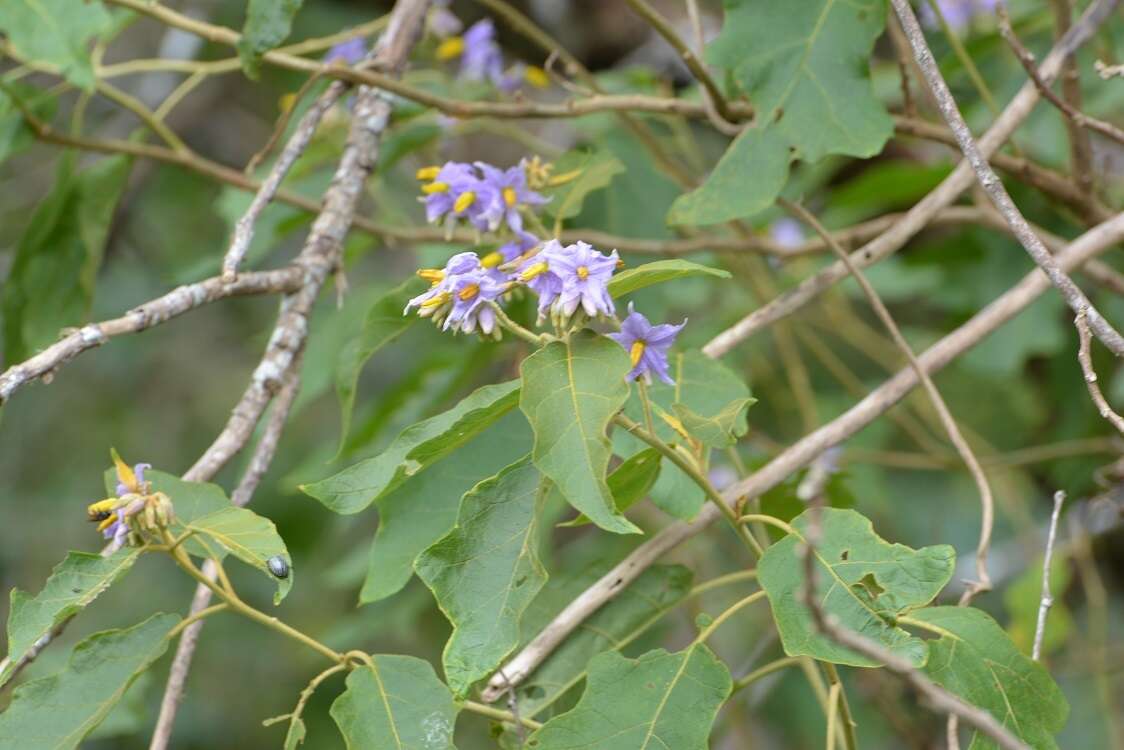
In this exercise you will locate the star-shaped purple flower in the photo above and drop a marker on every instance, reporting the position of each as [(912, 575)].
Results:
[(647, 345), (455, 185), (507, 192), (470, 293), (585, 274), (482, 58), (538, 273), (348, 53)]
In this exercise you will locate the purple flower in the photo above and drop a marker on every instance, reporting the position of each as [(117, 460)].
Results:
[(470, 294), (349, 52), (958, 13), (647, 345), (437, 297), (481, 59), (787, 233), (585, 275), (507, 189), (457, 191), (442, 22), (538, 273)]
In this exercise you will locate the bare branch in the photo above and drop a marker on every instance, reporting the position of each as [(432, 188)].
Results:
[(1032, 286), (1085, 357), (994, 188), (920, 214), (1047, 597)]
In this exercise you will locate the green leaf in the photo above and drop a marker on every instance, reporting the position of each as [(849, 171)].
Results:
[(249, 537), (720, 430), (486, 571), (396, 703), (805, 68), (268, 23), (51, 282), (58, 711), (73, 585), (864, 581), (571, 390), (657, 272), (629, 482), (597, 169), (676, 494), (15, 133), (615, 625), (975, 659), (424, 508), (660, 700), (383, 324), (57, 33), (295, 735), (420, 445)]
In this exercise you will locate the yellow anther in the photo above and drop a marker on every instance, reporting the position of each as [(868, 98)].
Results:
[(286, 102), (509, 196), (536, 76), (562, 179), (427, 173), (432, 275), (435, 187), (538, 171), (106, 523), (101, 506), (583, 273), (450, 48), (435, 301), (466, 199), (491, 260), (532, 271), (469, 292), (636, 352), (125, 475)]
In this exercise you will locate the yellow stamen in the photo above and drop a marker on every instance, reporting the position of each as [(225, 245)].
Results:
[(466, 199), (583, 273), (491, 260), (101, 506), (468, 292), (636, 352), (531, 272), (427, 173), (432, 275), (436, 301), (509, 196), (125, 475), (450, 48), (286, 102), (435, 187), (562, 179), (107, 523), (536, 76)]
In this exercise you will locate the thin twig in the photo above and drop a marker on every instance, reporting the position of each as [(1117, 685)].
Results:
[(1085, 357), (994, 188), (1047, 558), (1080, 145), (1009, 304)]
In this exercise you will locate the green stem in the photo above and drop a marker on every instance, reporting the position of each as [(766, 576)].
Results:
[(520, 332), (499, 714), (766, 670), (713, 583), (832, 714), (771, 520), (642, 387), (844, 707), (201, 614), (730, 612)]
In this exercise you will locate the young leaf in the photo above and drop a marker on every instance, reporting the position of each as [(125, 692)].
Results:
[(268, 23), (861, 579), (615, 625), (424, 508), (249, 537), (56, 32), (420, 445), (51, 282), (975, 659), (383, 324), (596, 170), (719, 430), (571, 389), (805, 67), (396, 703), (486, 571), (629, 482), (660, 700), (657, 272), (294, 736), (58, 711), (74, 583)]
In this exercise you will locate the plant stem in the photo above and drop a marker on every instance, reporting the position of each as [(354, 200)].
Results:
[(774, 666), (844, 707), (505, 320), (499, 714), (643, 389), (197, 616)]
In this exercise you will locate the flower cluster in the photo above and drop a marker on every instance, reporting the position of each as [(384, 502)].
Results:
[(134, 509), (481, 58), (485, 196)]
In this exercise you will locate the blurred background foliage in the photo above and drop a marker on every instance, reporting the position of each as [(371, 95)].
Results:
[(161, 396)]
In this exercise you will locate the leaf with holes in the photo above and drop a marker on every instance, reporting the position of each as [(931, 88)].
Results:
[(805, 66), (58, 711), (659, 700), (657, 272), (861, 579), (978, 661), (249, 537), (395, 703), (419, 446), (486, 571), (73, 585), (571, 390)]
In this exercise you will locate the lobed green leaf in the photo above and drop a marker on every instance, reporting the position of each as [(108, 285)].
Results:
[(251, 538)]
